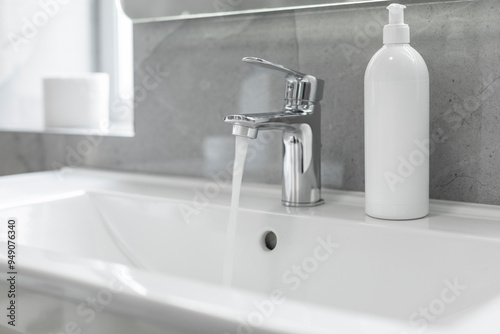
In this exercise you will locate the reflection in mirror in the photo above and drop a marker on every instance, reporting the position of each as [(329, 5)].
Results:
[(59, 67), (149, 9)]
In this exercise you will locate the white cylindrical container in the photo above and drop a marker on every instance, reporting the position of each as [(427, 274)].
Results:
[(397, 127), (76, 101)]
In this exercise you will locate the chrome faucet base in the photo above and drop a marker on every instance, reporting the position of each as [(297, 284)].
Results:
[(302, 205)]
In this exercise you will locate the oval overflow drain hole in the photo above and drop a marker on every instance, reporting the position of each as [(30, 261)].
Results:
[(270, 240)]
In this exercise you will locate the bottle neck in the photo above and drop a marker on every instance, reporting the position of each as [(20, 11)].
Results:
[(396, 34)]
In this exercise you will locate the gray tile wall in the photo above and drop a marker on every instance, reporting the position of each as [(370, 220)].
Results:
[(179, 128)]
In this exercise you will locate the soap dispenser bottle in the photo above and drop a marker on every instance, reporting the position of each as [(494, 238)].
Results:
[(397, 126)]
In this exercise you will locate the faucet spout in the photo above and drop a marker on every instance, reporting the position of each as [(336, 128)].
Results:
[(248, 125), (245, 131)]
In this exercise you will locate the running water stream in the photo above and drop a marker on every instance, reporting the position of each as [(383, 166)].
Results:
[(241, 148)]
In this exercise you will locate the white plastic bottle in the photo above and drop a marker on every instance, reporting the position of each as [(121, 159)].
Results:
[(397, 126)]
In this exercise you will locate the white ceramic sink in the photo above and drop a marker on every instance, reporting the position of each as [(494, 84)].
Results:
[(123, 253)]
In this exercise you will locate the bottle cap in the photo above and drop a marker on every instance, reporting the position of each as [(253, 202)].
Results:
[(396, 32)]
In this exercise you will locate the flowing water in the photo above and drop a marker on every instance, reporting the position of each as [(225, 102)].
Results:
[(241, 148)]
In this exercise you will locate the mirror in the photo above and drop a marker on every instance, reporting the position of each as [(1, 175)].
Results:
[(145, 10), (59, 67)]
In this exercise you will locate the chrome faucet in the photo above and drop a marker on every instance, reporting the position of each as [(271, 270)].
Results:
[(300, 122)]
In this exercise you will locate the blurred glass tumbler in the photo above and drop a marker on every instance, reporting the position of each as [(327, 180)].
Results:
[(76, 101)]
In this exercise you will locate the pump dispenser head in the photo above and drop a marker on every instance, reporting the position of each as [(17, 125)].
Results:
[(396, 32)]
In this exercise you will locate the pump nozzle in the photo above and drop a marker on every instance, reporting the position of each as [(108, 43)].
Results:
[(396, 32), (396, 13)]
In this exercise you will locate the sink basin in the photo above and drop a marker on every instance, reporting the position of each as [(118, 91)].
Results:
[(108, 252)]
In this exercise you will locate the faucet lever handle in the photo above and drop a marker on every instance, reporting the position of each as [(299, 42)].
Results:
[(272, 67), (301, 89)]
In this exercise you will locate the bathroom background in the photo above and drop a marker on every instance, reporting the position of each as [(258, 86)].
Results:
[(200, 78)]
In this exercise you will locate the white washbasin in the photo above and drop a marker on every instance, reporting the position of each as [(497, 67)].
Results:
[(333, 269)]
